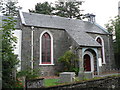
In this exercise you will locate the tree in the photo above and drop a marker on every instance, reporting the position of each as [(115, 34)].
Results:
[(114, 26), (63, 9), (9, 7), (43, 8), (1, 5), (9, 59), (68, 9)]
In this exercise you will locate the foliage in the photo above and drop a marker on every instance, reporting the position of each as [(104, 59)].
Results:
[(114, 26), (19, 84), (1, 5), (68, 9), (110, 26), (29, 73), (69, 60), (117, 33), (43, 8), (63, 9), (9, 7), (9, 59), (77, 79)]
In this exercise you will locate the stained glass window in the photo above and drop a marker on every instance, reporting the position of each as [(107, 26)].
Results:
[(101, 50), (46, 48)]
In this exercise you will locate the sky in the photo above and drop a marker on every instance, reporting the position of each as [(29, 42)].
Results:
[(103, 9)]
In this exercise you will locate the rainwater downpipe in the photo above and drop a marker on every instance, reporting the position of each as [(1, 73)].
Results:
[(32, 32)]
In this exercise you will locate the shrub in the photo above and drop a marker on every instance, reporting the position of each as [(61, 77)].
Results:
[(9, 59), (29, 73), (69, 61)]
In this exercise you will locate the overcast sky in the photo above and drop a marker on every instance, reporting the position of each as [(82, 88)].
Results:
[(103, 9)]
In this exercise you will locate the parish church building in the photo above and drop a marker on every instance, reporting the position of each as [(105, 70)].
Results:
[(44, 38)]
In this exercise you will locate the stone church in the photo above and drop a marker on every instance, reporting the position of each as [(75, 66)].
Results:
[(44, 38)]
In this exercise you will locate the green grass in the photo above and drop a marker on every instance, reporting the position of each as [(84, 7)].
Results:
[(51, 82), (54, 82)]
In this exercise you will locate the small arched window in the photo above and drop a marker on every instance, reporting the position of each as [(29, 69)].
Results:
[(101, 42), (46, 48)]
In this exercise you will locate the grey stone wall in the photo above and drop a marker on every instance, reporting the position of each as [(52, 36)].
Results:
[(35, 83), (109, 52), (61, 43), (25, 48)]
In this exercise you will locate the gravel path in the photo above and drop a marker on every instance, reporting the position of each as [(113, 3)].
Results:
[(107, 75)]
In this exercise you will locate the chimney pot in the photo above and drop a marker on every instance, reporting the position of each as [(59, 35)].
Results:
[(91, 17)]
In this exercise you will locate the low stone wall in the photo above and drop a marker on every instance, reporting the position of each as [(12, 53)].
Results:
[(108, 83), (35, 83)]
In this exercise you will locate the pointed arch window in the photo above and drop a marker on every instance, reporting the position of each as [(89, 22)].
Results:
[(101, 42), (46, 48)]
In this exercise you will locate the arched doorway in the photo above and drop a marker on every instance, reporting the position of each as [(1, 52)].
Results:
[(90, 61), (87, 63)]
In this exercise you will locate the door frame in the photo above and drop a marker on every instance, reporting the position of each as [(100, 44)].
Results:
[(91, 60)]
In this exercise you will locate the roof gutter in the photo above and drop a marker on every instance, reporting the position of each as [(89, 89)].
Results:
[(90, 46), (99, 33)]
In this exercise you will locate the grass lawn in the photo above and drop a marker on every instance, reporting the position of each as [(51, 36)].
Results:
[(54, 82), (51, 82)]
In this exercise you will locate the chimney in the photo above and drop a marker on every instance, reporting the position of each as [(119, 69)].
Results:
[(119, 8), (91, 17)]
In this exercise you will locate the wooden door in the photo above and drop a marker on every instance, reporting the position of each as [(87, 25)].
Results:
[(87, 63)]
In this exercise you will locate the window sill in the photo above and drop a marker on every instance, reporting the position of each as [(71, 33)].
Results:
[(103, 63), (46, 64), (88, 71)]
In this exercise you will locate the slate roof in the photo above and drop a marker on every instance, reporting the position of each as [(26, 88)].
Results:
[(77, 29)]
